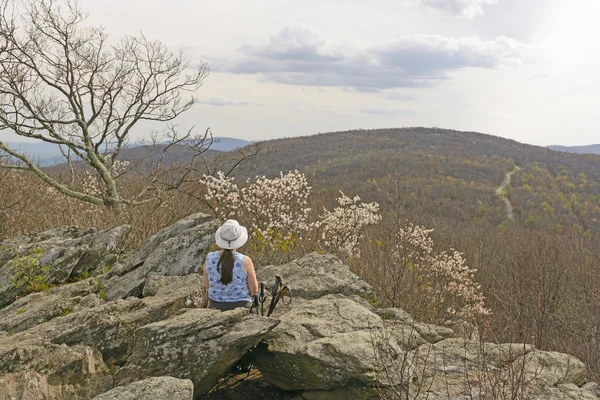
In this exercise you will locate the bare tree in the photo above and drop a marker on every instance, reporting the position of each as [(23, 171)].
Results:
[(61, 82)]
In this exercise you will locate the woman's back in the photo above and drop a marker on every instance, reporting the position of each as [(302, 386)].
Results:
[(234, 291)]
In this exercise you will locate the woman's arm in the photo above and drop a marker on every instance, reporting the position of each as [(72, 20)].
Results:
[(205, 277), (248, 266)]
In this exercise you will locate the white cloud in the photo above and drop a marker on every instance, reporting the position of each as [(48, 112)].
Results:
[(465, 8), (222, 101), (398, 96), (386, 111), (299, 55)]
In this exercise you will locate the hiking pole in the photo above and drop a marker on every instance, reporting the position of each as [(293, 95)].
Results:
[(284, 293), (262, 298), (254, 305), (274, 293)]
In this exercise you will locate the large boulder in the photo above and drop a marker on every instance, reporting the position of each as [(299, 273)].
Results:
[(197, 344), (164, 387), (328, 345), (315, 275), (176, 250), (69, 254)]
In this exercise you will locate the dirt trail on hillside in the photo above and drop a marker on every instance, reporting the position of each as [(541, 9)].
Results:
[(506, 182)]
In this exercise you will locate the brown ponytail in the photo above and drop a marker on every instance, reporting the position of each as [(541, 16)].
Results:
[(225, 266)]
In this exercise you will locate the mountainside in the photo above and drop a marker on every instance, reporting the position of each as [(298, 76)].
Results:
[(589, 149), (450, 174)]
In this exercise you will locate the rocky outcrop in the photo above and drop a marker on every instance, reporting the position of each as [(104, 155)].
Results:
[(138, 331), (73, 342), (339, 346), (69, 254), (164, 387), (174, 251)]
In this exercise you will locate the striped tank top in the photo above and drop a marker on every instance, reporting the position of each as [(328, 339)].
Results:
[(236, 290)]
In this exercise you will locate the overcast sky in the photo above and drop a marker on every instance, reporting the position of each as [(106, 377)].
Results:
[(522, 69)]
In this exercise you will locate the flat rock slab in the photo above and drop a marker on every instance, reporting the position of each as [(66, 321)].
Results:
[(315, 275), (160, 388), (110, 326), (197, 344), (38, 308)]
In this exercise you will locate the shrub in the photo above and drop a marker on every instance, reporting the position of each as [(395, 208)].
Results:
[(29, 273)]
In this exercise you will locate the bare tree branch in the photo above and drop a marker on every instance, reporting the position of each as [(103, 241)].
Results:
[(62, 83)]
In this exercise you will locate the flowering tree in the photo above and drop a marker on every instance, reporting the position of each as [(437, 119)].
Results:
[(277, 212), (343, 227), (445, 280), (275, 209)]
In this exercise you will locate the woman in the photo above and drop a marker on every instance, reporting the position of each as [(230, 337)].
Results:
[(228, 275)]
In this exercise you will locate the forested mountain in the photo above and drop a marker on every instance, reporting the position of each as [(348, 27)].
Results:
[(449, 174)]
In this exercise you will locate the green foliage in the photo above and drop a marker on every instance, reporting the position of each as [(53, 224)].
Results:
[(83, 276), (277, 249), (372, 300), (20, 311), (29, 273), (100, 287), (64, 312), (385, 316)]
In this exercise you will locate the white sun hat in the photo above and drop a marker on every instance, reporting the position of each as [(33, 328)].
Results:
[(231, 235)]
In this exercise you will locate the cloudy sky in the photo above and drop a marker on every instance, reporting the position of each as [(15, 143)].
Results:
[(522, 69)]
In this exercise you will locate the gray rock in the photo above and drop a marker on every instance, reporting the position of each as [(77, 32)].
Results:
[(110, 327), (177, 250), (393, 314), (197, 344), (549, 368), (328, 344), (452, 366), (164, 387), (67, 252), (32, 371), (314, 276), (567, 391), (38, 308), (159, 285), (177, 229), (433, 333), (592, 387)]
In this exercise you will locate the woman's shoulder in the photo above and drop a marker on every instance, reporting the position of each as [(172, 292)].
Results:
[(242, 257)]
